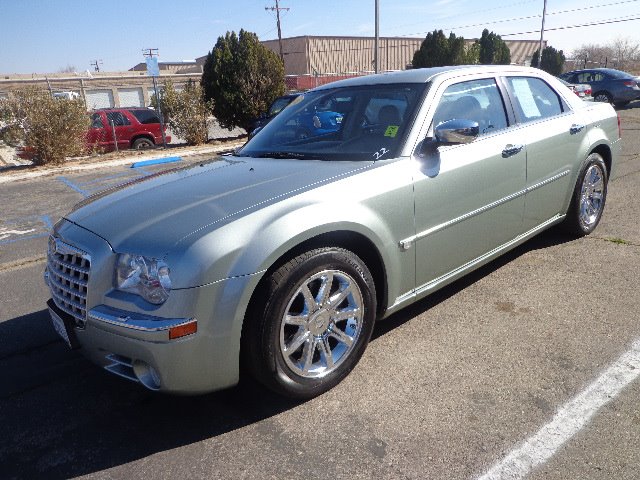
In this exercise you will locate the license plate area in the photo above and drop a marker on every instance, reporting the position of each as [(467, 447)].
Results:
[(63, 324)]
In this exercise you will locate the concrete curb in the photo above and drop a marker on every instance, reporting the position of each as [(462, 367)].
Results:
[(92, 165)]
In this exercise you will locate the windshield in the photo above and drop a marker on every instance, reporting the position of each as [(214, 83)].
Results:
[(345, 123)]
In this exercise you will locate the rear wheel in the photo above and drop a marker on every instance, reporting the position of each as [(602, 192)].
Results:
[(313, 323), (589, 197), (142, 144)]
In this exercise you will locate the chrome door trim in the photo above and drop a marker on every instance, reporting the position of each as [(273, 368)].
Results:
[(406, 243), (477, 262)]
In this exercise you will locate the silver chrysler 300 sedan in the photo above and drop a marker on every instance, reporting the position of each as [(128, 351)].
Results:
[(278, 260)]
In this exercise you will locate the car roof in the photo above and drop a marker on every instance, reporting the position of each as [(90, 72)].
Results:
[(424, 75), (600, 69)]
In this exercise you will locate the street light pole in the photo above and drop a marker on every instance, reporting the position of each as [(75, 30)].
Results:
[(544, 14)]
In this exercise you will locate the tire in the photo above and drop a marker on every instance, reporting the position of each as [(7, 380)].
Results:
[(142, 143), (300, 338), (604, 97), (589, 196)]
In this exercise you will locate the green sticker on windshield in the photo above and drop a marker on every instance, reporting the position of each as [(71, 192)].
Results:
[(392, 131)]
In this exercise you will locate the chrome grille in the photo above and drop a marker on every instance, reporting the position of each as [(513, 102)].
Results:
[(68, 276)]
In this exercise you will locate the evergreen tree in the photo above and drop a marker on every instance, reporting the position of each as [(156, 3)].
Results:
[(242, 77), (493, 50), (437, 50), (552, 60)]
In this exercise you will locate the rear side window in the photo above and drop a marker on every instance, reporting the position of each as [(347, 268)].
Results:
[(145, 116), (534, 99), (117, 118)]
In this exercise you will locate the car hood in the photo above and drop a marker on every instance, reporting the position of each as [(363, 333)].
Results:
[(160, 210)]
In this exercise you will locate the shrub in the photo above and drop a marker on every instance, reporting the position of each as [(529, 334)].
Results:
[(242, 77), (52, 128), (187, 111)]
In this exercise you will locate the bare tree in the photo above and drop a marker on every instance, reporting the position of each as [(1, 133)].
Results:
[(622, 53), (68, 69), (625, 52)]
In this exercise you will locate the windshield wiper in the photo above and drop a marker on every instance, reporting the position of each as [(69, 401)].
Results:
[(296, 155)]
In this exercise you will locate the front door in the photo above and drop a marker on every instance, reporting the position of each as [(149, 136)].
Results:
[(469, 198)]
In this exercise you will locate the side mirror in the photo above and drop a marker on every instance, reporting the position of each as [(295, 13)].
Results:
[(456, 131)]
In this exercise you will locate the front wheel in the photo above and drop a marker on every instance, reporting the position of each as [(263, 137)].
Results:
[(589, 196), (313, 323), (604, 97)]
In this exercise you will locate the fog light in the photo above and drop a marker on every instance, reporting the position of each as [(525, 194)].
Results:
[(147, 375), (183, 330)]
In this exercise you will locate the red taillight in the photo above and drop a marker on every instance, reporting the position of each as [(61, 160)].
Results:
[(629, 83), (587, 91)]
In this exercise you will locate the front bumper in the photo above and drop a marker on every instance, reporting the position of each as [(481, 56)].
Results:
[(132, 339)]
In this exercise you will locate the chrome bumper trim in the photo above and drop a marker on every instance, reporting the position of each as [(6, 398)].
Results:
[(134, 321)]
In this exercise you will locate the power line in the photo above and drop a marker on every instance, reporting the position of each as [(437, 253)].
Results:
[(590, 24), (499, 7), (528, 17)]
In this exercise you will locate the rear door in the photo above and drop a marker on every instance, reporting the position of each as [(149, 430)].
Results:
[(122, 125), (553, 146)]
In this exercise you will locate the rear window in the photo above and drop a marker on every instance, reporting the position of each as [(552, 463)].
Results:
[(618, 74), (117, 119), (145, 116)]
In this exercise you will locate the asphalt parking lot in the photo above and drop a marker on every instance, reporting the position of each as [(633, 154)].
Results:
[(526, 368)]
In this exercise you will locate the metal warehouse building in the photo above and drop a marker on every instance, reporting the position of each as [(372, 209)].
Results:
[(312, 60)]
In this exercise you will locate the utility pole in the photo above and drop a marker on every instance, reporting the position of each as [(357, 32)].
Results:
[(277, 9), (150, 53), (544, 14), (375, 43), (96, 65)]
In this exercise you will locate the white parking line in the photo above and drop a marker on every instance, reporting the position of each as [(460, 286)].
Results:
[(7, 233), (568, 420)]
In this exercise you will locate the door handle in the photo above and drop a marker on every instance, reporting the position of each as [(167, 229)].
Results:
[(511, 150), (575, 128)]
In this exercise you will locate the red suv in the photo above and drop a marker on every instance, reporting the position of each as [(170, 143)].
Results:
[(136, 128)]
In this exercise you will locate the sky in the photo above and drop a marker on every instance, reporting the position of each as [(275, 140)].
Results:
[(43, 36)]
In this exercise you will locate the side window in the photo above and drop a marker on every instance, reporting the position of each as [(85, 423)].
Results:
[(598, 77), (145, 117), (96, 121), (117, 118), (534, 99), (584, 77), (476, 100)]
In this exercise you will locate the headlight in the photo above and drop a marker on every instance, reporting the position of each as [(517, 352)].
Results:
[(143, 276)]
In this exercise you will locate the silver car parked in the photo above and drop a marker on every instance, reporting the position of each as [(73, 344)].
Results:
[(277, 261)]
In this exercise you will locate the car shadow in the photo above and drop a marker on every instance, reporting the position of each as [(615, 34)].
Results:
[(64, 417)]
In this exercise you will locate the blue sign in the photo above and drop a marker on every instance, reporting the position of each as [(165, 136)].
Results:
[(153, 70)]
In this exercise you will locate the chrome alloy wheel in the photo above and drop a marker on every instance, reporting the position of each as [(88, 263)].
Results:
[(321, 324), (591, 196)]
